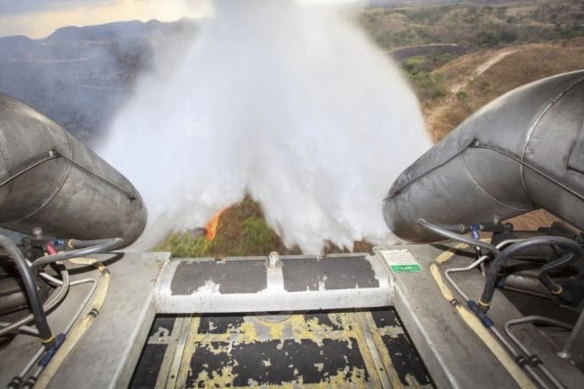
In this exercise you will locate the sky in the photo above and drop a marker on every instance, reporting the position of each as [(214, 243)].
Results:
[(39, 18)]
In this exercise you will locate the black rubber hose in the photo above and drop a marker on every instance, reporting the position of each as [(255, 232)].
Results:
[(489, 290), (36, 305), (554, 287), (454, 236), (107, 245)]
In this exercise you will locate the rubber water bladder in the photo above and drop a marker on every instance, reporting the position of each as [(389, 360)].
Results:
[(522, 151), (48, 179)]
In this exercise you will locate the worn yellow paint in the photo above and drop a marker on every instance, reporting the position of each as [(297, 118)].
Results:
[(302, 329), (446, 255), (444, 289), (384, 353), (298, 328), (214, 349), (189, 349), (247, 334), (393, 331), (222, 380), (357, 376), (277, 330)]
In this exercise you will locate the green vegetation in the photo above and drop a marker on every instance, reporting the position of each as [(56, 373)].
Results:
[(497, 36), (428, 85), (473, 25), (461, 96), (184, 244), (522, 65), (241, 231), (426, 63)]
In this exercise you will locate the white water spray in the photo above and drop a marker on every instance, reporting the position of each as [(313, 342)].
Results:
[(289, 103)]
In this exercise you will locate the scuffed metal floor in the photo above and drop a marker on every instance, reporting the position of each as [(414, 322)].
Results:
[(314, 350)]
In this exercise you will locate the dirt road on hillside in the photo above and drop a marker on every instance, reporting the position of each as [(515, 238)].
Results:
[(494, 59)]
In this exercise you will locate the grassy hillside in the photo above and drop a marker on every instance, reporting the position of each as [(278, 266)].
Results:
[(470, 83), (466, 91), (472, 28), (242, 231), (475, 25)]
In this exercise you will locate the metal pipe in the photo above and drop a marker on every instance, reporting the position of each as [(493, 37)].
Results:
[(22, 329), (576, 339), (55, 299), (460, 238), (533, 319), (528, 285), (501, 338), (487, 323), (40, 352), (523, 151), (473, 265), (31, 291), (79, 244), (106, 245), (529, 369), (462, 269)]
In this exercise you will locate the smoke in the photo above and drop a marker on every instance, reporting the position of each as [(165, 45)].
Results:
[(286, 102)]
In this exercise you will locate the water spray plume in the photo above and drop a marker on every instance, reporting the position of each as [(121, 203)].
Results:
[(288, 103)]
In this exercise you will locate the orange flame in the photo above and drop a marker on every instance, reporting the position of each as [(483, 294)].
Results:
[(212, 225)]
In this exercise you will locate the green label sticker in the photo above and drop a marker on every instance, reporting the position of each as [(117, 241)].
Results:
[(406, 268), (401, 261)]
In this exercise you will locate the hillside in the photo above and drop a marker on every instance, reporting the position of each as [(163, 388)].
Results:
[(476, 25), (475, 79), (241, 231), (471, 84), (80, 76)]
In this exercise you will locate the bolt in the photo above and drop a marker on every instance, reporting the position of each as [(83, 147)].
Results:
[(37, 232), (274, 260)]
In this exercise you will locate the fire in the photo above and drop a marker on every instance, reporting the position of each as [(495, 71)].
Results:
[(212, 225)]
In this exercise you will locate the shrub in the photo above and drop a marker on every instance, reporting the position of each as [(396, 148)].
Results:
[(461, 95)]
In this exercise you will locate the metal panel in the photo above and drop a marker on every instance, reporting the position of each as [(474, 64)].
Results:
[(330, 273), (228, 276), (107, 353), (112, 344), (358, 281), (453, 354), (335, 349)]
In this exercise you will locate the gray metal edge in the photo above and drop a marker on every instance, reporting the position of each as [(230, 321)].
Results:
[(273, 298), (452, 353), (99, 360)]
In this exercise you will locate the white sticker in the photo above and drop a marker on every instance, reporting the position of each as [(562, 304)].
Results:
[(401, 261)]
